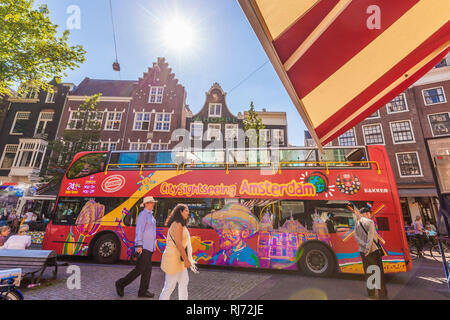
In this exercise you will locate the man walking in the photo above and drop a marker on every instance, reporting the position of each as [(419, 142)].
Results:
[(366, 237), (145, 246)]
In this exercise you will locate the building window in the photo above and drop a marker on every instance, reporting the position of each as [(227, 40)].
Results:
[(9, 153), (398, 104), (113, 119), (264, 136), (197, 130), (440, 123), (156, 95), (76, 120), (30, 154), (44, 119), (135, 146), (373, 134), (20, 123), (231, 131), (408, 164), (441, 64), (215, 110), (109, 146), (402, 131), (162, 122), (348, 138), (142, 121), (434, 96), (50, 98), (160, 146), (214, 131), (278, 135), (374, 115), (28, 91)]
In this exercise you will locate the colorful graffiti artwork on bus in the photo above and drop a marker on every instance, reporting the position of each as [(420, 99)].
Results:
[(87, 224), (320, 182), (235, 224)]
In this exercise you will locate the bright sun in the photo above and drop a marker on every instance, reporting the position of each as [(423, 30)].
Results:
[(178, 34)]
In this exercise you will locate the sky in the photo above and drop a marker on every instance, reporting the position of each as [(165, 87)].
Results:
[(224, 49)]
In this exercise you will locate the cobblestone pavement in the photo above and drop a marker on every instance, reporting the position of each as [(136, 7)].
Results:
[(426, 281)]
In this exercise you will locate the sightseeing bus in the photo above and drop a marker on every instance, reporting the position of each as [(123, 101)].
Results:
[(287, 208)]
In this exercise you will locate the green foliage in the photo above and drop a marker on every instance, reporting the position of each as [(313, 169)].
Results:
[(84, 135), (30, 49), (253, 122)]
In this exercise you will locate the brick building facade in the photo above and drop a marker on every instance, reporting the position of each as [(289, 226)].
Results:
[(134, 115)]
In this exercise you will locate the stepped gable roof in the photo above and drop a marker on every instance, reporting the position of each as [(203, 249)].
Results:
[(108, 88)]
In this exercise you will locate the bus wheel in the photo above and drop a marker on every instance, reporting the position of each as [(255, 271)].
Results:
[(106, 249), (316, 260)]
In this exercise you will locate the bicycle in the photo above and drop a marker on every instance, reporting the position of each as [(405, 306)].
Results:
[(431, 247), (9, 283)]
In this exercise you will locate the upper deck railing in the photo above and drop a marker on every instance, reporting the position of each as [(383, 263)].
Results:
[(274, 159)]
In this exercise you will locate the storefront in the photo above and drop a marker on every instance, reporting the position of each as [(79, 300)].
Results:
[(419, 202)]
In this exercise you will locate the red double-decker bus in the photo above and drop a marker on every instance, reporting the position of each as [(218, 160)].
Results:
[(288, 208)]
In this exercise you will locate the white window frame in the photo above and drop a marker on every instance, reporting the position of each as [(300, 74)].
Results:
[(431, 127), (210, 130), (418, 161), (162, 122), (5, 151), (143, 115), (158, 96), (160, 144), (354, 135), (109, 143), (281, 136), (89, 114), (214, 115), (115, 113), (30, 92), (15, 120), (190, 131), (406, 105), (266, 133), (378, 116), (382, 134), (432, 104), (46, 121), (140, 146), (231, 127), (410, 126)]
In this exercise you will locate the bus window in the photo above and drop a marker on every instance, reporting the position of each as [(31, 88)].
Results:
[(69, 208), (87, 165), (335, 214)]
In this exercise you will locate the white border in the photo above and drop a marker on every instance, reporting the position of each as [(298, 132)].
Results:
[(382, 134), (406, 104), (149, 121), (156, 121), (11, 133), (418, 161), (106, 120), (208, 132), (354, 134), (46, 121), (410, 126), (156, 95), (3, 156), (378, 116), (209, 110), (432, 104), (190, 131), (431, 128)]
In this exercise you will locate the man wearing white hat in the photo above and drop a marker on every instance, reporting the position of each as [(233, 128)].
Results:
[(145, 240)]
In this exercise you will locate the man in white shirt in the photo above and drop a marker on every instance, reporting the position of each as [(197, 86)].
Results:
[(19, 241), (366, 237)]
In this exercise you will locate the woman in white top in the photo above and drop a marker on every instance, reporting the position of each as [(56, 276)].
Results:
[(177, 256), (19, 241)]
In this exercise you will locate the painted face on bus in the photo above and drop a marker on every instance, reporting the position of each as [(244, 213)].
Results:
[(233, 237)]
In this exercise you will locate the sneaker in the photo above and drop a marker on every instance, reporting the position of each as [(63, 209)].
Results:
[(119, 289)]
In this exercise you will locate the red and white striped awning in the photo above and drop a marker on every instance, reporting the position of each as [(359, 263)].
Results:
[(337, 67)]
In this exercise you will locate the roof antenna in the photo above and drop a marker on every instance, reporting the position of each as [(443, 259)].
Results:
[(116, 65)]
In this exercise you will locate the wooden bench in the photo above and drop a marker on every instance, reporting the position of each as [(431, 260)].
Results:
[(30, 261)]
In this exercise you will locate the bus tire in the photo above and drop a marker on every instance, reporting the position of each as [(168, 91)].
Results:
[(316, 260), (106, 249)]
